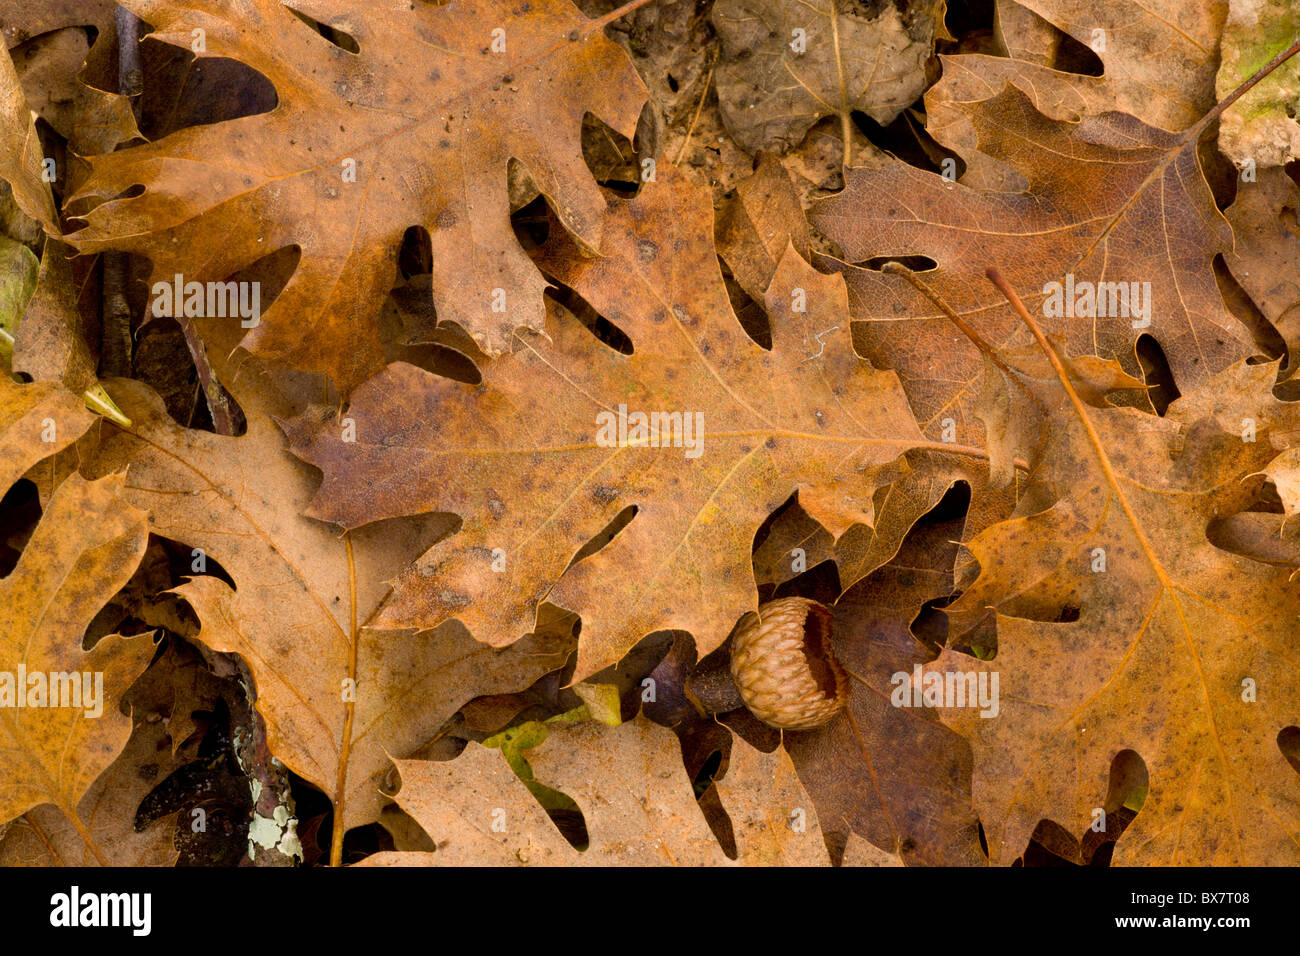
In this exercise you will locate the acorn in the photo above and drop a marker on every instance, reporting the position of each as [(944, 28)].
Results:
[(784, 668)]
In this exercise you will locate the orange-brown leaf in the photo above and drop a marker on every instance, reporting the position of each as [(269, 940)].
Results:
[(428, 114)]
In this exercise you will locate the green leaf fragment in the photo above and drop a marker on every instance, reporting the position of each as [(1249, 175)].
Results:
[(513, 741)]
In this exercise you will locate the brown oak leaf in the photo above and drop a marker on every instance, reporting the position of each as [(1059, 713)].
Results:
[(530, 460), (415, 129), (1122, 626), (302, 600), (788, 63), (68, 728), (45, 837), (66, 75), (1109, 200), (634, 794)]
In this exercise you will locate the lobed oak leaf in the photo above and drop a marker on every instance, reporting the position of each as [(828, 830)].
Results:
[(521, 457), (1169, 92), (753, 231), (634, 794), (1108, 200), (414, 129), (1156, 65), (45, 837), (1122, 624), (68, 729), (337, 696)]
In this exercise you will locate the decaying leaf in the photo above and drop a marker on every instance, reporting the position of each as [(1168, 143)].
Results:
[(65, 74), (303, 598), (634, 795), (362, 146), (538, 459), (755, 227), (1120, 625), (1260, 129), (788, 63)]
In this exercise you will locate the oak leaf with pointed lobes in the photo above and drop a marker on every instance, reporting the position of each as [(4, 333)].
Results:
[(45, 837), (290, 614), (529, 458), (1158, 64), (1120, 625), (417, 128), (69, 729), (1108, 200), (635, 796), (894, 776), (753, 230)]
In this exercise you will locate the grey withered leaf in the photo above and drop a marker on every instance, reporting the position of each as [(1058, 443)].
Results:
[(785, 64)]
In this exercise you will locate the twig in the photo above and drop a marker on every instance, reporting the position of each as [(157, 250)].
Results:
[(690, 130), (115, 351), (618, 14)]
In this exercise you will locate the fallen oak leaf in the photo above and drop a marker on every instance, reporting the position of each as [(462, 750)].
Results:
[(337, 696), (755, 226), (1104, 191), (67, 729), (753, 231), (52, 345), (633, 791), (1181, 651), (1158, 66), (37, 421), (74, 102), (45, 837), (359, 148), (788, 63), (530, 459)]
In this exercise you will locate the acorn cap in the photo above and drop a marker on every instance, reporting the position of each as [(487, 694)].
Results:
[(784, 668)]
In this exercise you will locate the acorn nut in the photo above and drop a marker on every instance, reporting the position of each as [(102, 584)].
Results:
[(784, 668)]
